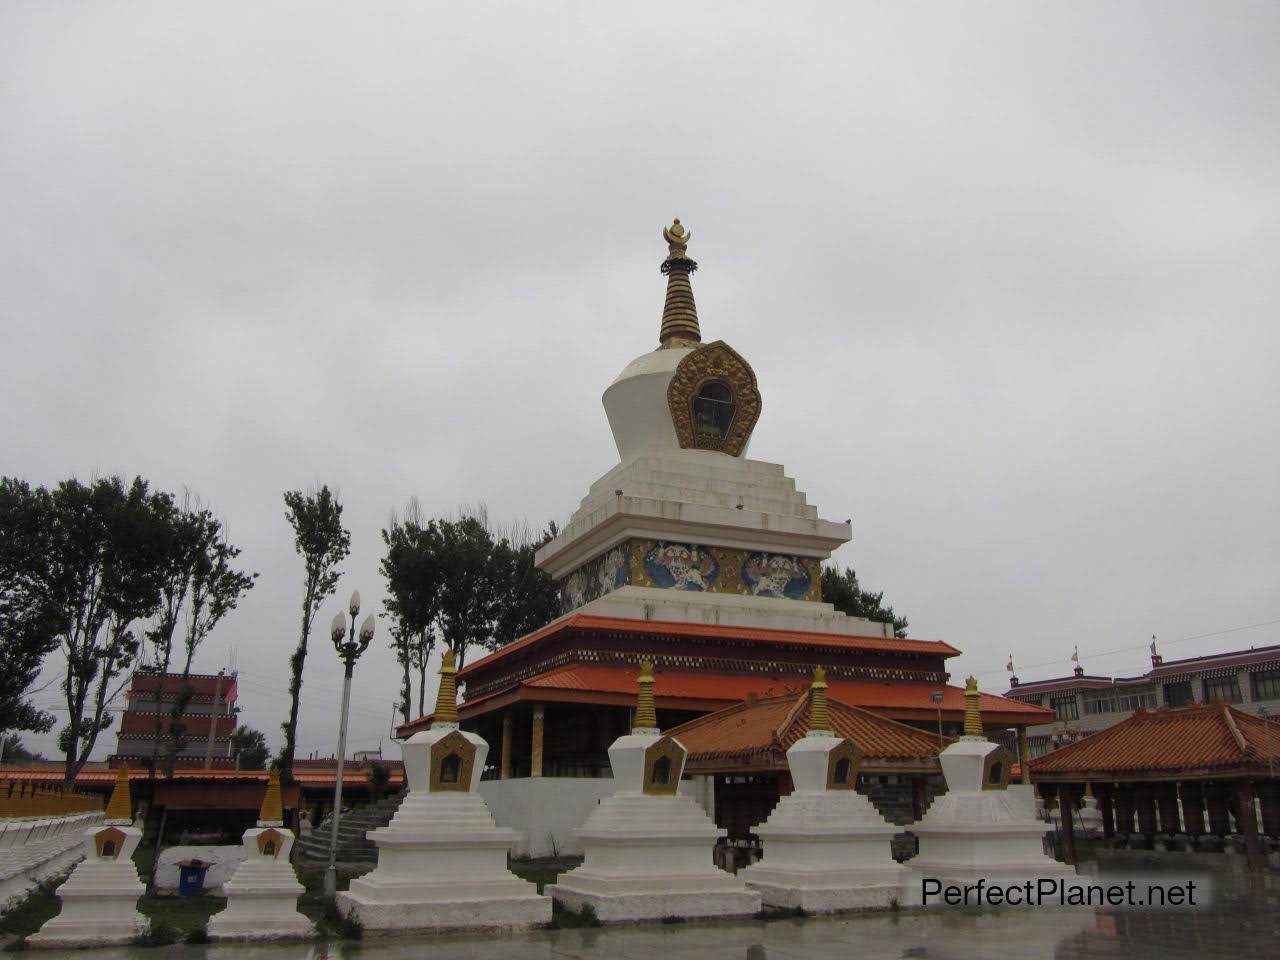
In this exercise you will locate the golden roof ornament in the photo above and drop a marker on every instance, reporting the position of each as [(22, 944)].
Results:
[(679, 313), (271, 813), (972, 712), (646, 712), (819, 718), (119, 807), (447, 699)]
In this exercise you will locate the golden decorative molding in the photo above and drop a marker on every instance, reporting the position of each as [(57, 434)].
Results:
[(273, 837), (843, 763), (663, 767), (714, 363), (453, 760), (819, 719), (111, 835), (679, 312), (447, 697), (996, 768), (972, 712)]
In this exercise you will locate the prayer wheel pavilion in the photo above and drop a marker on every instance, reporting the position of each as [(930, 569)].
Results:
[(690, 555)]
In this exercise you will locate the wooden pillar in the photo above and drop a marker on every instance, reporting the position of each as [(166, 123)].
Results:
[(1124, 809), (539, 722), (1215, 797), (1104, 794), (1192, 808), (1167, 800), (1145, 798), (1269, 799), (507, 725), (1065, 804), (1024, 755), (1247, 821)]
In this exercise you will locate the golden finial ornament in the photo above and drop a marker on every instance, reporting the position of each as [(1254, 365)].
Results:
[(120, 807), (447, 699), (819, 718), (272, 810), (972, 712), (679, 313), (646, 712)]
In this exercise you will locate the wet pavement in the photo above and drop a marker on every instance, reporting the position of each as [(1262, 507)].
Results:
[(1241, 926)]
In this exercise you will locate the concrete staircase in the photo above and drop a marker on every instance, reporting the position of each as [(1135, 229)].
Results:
[(352, 845)]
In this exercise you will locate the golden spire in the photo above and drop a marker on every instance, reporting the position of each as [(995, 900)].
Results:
[(119, 807), (679, 313), (447, 698), (646, 713), (272, 806), (819, 719), (972, 713)]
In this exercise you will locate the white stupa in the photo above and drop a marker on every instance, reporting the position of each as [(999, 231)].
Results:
[(442, 861), (826, 847), (979, 829), (262, 896), (648, 850), (100, 898)]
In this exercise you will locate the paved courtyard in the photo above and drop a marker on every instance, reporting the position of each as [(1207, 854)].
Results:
[(1240, 926)]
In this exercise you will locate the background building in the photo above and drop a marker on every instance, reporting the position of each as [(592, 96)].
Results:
[(208, 720)]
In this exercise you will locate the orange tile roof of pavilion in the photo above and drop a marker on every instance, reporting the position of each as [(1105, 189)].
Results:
[(579, 622), (1170, 741), (761, 731)]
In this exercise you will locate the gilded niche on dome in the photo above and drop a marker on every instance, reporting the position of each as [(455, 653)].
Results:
[(714, 400)]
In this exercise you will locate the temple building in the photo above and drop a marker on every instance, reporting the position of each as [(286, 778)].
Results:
[(207, 721), (691, 555)]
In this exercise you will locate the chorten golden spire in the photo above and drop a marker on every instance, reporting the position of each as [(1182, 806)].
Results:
[(819, 719), (119, 807), (447, 698), (972, 713), (679, 313), (646, 712), (272, 811)]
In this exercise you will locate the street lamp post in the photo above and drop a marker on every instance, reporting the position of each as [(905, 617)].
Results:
[(349, 647), (936, 697)]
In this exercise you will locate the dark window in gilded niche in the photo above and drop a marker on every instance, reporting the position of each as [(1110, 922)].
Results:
[(662, 771), (843, 768), (713, 410), (108, 848), (269, 848), (997, 772), (450, 768)]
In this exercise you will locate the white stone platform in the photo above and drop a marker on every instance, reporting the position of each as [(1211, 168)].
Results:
[(100, 898), (262, 896)]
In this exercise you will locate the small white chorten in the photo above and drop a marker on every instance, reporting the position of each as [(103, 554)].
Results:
[(826, 847), (648, 851), (100, 898), (442, 861), (262, 896), (979, 829)]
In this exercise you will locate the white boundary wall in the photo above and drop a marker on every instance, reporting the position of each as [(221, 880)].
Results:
[(34, 849)]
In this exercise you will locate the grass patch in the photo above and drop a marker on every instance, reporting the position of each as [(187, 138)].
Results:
[(183, 914), (563, 918), (781, 913), (334, 924), (38, 907), (544, 870), (159, 934)]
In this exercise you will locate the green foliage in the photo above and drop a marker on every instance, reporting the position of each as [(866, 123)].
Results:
[(563, 918), (158, 934), (843, 591), (379, 777), (15, 751), (39, 906), (322, 543), (335, 923), (251, 748)]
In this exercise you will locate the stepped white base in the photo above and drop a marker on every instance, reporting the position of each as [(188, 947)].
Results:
[(442, 865), (649, 857), (825, 851), (99, 907), (262, 904)]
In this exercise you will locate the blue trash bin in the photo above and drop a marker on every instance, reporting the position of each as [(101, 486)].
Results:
[(191, 877)]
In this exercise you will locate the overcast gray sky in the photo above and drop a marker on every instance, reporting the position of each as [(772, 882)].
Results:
[(1007, 273)]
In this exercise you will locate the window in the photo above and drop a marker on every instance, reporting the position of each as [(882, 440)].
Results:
[(662, 771), (997, 772), (269, 848), (1094, 705), (1266, 685), (1178, 694), (450, 768), (108, 848), (1131, 702), (713, 410), (1222, 688), (1066, 710), (843, 769)]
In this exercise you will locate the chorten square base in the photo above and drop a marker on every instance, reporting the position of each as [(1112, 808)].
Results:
[(654, 898), (827, 893), (497, 905), (99, 907)]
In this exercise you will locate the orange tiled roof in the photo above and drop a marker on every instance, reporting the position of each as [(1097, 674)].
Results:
[(102, 774), (693, 689), (759, 732), (586, 622), (1202, 737)]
